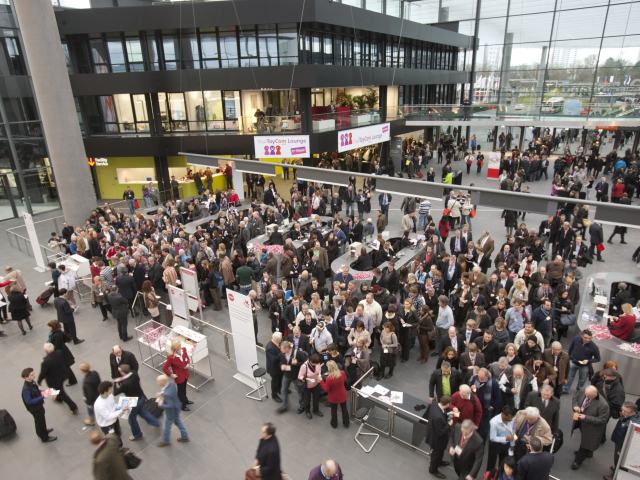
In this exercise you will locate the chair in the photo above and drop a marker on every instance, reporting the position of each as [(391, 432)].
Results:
[(260, 391), (362, 414)]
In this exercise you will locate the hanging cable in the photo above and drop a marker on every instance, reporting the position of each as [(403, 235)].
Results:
[(355, 39), (293, 70), (206, 133), (393, 78)]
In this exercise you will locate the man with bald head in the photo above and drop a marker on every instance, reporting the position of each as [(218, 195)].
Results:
[(590, 415), (327, 470)]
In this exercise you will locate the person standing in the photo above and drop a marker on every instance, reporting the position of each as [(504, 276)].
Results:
[(628, 414), (327, 470), (54, 370), (130, 197), (290, 361), (272, 352), (19, 308), (66, 317), (310, 376), (119, 356), (536, 464), (466, 450), (438, 433), (106, 411), (501, 437), (268, 454), (120, 310), (334, 385), (129, 385), (582, 354), (559, 360), (33, 400), (56, 337), (168, 400), (176, 366), (590, 415), (90, 391)]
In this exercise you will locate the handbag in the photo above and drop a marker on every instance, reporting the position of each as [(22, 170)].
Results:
[(568, 319), (151, 406), (446, 212), (600, 247), (130, 459)]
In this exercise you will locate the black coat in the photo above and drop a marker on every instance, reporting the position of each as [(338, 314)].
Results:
[(551, 413), (119, 304), (435, 382), (470, 459), (268, 457), (534, 466), (127, 358), (90, 387), (64, 310), (126, 286), (272, 353), (53, 369), (438, 429), (18, 306), (130, 386), (57, 338)]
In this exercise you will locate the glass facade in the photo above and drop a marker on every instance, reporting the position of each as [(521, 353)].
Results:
[(534, 54), (251, 46), (26, 177)]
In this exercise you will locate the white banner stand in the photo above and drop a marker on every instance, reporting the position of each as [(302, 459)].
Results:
[(179, 308), (244, 341), (41, 265)]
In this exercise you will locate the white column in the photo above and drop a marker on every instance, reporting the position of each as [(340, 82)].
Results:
[(238, 182)]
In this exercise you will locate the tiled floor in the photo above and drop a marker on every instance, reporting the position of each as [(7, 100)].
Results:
[(224, 426)]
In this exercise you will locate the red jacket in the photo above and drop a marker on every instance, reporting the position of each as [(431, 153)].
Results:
[(177, 365), (471, 409), (336, 391), (618, 190), (624, 327)]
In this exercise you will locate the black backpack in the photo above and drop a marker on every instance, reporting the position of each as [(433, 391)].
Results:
[(7, 424)]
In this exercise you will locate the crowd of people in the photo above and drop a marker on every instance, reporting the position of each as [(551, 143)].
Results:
[(492, 312)]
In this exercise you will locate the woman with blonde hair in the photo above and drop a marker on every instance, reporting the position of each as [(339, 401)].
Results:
[(176, 366), (334, 385), (99, 296), (518, 291)]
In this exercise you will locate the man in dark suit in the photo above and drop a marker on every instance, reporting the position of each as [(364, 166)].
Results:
[(602, 190), (559, 360), (564, 238), (453, 339), (442, 377), (129, 384), (536, 464), (596, 237), (292, 310), (438, 432), (299, 341), (54, 370), (488, 347), (457, 244), (548, 405), (65, 315), (469, 360), (118, 357), (127, 288), (89, 391), (466, 450), (120, 309), (34, 403)]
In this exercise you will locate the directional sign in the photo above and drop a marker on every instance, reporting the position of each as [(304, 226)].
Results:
[(91, 161)]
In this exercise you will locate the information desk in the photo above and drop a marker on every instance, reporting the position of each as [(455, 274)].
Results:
[(591, 317), (263, 240), (403, 258), (155, 337), (404, 409)]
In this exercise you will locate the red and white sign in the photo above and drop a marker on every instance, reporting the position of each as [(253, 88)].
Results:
[(363, 136), (282, 146), (493, 165)]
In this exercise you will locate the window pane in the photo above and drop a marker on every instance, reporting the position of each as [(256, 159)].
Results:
[(518, 7), (140, 107), (116, 53), (529, 28), (491, 31), (164, 111), (393, 7), (248, 47), (170, 52), (231, 109), (195, 110), (178, 111), (288, 45), (268, 45), (493, 8), (134, 54), (125, 112), (583, 23), (458, 10), (213, 110), (374, 5), (623, 20), (108, 113), (99, 55), (228, 49), (190, 54), (353, 3), (566, 4), (423, 11), (152, 51)]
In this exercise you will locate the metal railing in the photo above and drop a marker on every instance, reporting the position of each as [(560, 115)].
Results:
[(345, 118), (18, 239)]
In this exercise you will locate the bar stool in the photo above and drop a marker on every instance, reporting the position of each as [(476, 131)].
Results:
[(362, 414), (260, 391)]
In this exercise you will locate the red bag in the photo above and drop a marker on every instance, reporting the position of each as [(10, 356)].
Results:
[(446, 212), (472, 213), (600, 247), (136, 205)]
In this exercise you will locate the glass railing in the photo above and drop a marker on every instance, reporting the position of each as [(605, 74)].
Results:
[(553, 109), (272, 124), (345, 117)]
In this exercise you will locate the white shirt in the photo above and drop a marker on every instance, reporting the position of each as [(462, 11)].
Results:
[(105, 411)]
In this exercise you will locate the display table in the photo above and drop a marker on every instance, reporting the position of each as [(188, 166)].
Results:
[(155, 337), (593, 314)]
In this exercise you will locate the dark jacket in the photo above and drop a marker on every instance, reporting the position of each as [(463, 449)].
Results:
[(127, 358), (435, 382), (64, 310), (551, 413), (53, 369), (126, 286), (58, 341), (272, 353), (535, 466), (18, 306), (130, 386), (620, 430), (90, 387), (594, 425), (470, 459), (438, 429), (108, 461), (119, 304), (316, 474), (268, 457)]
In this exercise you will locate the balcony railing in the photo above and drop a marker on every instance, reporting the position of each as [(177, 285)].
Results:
[(343, 118)]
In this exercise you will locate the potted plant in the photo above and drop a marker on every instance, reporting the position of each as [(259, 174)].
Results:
[(371, 97), (360, 101)]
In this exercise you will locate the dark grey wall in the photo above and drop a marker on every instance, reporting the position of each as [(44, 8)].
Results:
[(223, 14), (248, 78)]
